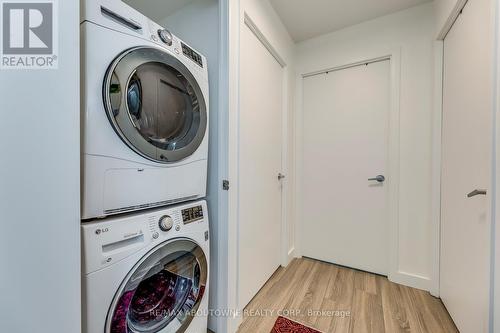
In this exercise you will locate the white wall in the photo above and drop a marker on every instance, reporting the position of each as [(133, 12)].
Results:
[(157, 10), (413, 32), (198, 24), (39, 191)]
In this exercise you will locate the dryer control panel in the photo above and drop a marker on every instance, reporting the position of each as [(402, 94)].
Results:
[(165, 38)]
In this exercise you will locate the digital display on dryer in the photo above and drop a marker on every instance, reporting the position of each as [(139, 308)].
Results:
[(192, 214)]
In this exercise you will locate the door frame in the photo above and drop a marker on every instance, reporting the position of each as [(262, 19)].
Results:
[(495, 287), (247, 22), (437, 159), (250, 24), (455, 12), (437, 123), (437, 149), (232, 20), (394, 57)]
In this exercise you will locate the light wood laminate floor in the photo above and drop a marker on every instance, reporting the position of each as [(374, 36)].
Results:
[(370, 303)]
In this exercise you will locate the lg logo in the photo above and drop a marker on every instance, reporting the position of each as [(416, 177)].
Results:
[(100, 231), (28, 34)]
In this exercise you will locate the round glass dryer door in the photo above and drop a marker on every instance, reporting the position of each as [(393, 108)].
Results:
[(155, 105), (162, 292)]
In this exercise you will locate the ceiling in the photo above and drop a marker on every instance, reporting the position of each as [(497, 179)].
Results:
[(157, 10), (312, 18)]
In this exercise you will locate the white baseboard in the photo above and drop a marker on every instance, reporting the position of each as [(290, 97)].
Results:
[(291, 254), (227, 325), (233, 323), (411, 280)]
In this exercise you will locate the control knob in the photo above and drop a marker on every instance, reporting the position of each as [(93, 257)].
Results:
[(166, 223), (165, 36)]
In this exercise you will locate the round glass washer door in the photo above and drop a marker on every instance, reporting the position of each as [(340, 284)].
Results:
[(162, 292), (155, 104)]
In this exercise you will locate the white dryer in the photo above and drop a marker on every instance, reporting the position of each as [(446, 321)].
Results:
[(144, 113), (147, 273)]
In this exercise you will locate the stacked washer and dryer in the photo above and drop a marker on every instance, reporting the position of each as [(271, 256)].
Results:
[(145, 233)]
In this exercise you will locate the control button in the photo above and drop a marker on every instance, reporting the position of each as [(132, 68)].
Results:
[(153, 37), (165, 36), (177, 51), (177, 228), (156, 235), (166, 223)]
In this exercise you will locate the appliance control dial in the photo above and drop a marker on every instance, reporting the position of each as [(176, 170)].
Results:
[(166, 223), (165, 36)]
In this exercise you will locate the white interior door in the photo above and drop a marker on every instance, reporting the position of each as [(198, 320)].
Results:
[(345, 143), (466, 166), (260, 149)]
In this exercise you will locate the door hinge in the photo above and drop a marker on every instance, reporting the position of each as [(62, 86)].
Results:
[(225, 185)]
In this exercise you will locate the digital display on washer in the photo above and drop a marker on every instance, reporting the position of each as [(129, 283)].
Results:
[(192, 214), (191, 54)]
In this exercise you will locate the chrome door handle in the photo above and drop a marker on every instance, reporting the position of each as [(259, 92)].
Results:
[(281, 176), (477, 192), (379, 178)]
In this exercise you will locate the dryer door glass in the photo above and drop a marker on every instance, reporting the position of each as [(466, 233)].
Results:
[(155, 105), (163, 292)]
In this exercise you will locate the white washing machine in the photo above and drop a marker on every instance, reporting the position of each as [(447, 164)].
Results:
[(147, 273), (144, 113)]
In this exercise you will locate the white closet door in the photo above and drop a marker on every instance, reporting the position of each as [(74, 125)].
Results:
[(345, 143), (260, 149), (467, 161)]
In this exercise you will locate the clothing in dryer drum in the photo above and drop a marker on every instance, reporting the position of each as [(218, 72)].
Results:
[(162, 292)]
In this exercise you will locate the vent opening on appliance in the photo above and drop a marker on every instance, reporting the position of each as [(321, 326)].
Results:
[(145, 206), (120, 19)]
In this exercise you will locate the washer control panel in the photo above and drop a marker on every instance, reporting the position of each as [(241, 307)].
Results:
[(166, 223), (192, 214), (192, 54), (107, 242), (165, 36)]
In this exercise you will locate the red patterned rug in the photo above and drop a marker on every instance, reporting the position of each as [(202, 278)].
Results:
[(284, 325)]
